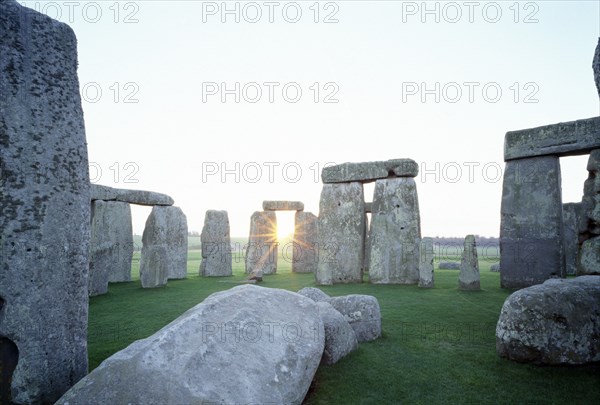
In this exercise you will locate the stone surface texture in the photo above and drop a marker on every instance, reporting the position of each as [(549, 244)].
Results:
[(557, 322), (261, 253), (216, 245), (531, 226), (596, 67), (138, 197), (341, 234), (164, 245), (44, 208), (395, 235), (246, 345), (305, 253), (369, 171)]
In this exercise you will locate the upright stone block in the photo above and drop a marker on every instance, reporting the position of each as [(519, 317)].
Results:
[(216, 245), (165, 237), (305, 253), (111, 245), (261, 253), (426, 263), (395, 233), (571, 219), (44, 209), (468, 277), (531, 228), (341, 234)]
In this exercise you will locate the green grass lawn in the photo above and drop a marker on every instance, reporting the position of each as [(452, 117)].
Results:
[(438, 345)]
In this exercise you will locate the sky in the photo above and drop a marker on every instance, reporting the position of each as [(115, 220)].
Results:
[(222, 105)]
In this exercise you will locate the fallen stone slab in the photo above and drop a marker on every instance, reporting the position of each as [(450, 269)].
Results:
[(340, 339), (362, 313), (563, 139), (314, 294), (283, 206), (449, 266), (367, 172), (44, 209), (138, 197), (557, 322), (246, 345)]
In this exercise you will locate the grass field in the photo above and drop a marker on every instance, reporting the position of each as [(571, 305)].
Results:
[(438, 345)]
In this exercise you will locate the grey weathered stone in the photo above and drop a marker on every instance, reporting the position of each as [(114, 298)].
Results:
[(596, 67), (314, 294), (261, 253), (589, 257), (304, 244), (395, 235), (495, 268), (138, 197), (246, 345), (367, 256), (557, 322), (449, 266), (340, 339), (571, 220), (366, 172), (531, 234), (111, 245), (369, 207), (362, 313), (165, 243), (468, 278), (426, 279), (216, 245), (44, 209), (590, 203), (341, 234), (562, 139), (283, 206)]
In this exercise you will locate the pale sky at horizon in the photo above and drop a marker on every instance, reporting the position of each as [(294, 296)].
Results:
[(152, 60)]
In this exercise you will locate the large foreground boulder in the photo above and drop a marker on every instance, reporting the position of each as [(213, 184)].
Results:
[(245, 345), (557, 322), (340, 338), (362, 313)]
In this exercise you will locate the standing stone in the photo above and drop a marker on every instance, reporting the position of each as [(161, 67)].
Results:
[(495, 268), (44, 209), (341, 234), (395, 233), (111, 245), (589, 257), (590, 203), (304, 254), (261, 253), (596, 67), (216, 245), (531, 228), (571, 219), (164, 244), (426, 263), (468, 278)]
